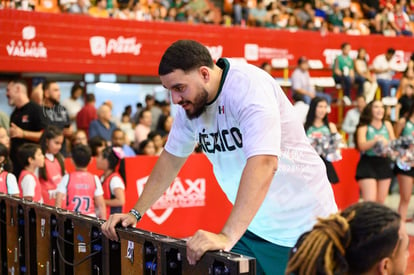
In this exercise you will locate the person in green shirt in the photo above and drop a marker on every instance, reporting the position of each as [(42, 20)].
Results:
[(374, 168), (317, 126), (343, 71)]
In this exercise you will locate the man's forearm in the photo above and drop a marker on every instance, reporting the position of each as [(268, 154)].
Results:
[(164, 172), (254, 185)]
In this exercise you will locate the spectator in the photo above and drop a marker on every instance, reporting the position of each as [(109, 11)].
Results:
[(103, 126), (343, 72), (8, 182), (4, 137), (240, 12), (55, 113), (374, 169), (383, 66), (87, 114), (340, 243), (4, 120), (72, 104), (155, 110), (123, 12), (266, 67), (80, 7), (301, 82), (400, 21), (406, 100), (352, 119), (408, 75), (370, 8), (126, 126), (158, 140), (37, 93), (86, 198), (164, 125), (147, 148), (31, 158), (300, 106), (79, 137), (305, 14), (336, 19), (26, 121), (118, 140), (135, 116), (257, 15), (97, 144), (367, 83), (143, 128), (291, 23), (99, 10)]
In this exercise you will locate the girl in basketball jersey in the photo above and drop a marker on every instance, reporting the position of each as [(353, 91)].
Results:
[(8, 182), (405, 127), (32, 158), (317, 125), (51, 174), (374, 168), (112, 183)]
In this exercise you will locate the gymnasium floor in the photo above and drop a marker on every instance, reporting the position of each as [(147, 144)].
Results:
[(392, 201)]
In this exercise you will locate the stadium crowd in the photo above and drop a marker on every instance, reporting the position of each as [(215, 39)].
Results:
[(387, 17)]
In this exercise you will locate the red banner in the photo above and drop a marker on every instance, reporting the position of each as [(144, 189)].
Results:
[(195, 200), (55, 43)]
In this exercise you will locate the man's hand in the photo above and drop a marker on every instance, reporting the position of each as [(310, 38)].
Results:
[(108, 228), (15, 131), (204, 241)]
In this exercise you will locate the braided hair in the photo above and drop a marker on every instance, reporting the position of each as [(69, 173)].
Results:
[(336, 244)]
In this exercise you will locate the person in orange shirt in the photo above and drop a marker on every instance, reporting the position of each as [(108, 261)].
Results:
[(99, 10)]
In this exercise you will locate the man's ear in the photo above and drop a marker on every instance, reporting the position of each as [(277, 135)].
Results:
[(2, 159), (384, 266), (204, 73)]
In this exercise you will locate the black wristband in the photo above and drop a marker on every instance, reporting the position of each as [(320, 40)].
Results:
[(136, 214)]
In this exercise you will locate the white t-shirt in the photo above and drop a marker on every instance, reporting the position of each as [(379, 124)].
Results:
[(12, 186), (381, 63), (250, 116), (63, 185), (116, 182)]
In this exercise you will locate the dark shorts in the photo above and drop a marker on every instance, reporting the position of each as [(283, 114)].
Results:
[(270, 258), (373, 167), (409, 173)]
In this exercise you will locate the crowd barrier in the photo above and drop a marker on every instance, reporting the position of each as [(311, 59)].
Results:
[(39, 239)]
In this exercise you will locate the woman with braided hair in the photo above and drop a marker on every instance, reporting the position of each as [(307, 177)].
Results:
[(363, 239)]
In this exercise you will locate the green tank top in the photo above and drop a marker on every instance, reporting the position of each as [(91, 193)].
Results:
[(408, 129), (318, 131), (372, 132)]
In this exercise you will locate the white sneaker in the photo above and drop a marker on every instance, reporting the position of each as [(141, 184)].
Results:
[(347, 100)]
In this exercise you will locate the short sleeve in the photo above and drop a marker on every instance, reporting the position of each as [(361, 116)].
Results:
[(28, 186), (116, 182), (181, 139), (12, 186), (62, 187), (98, 190)]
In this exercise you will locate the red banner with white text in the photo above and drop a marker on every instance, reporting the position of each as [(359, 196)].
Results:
[(67, 43)]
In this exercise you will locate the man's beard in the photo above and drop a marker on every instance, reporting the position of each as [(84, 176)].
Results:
[(199, 105)]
